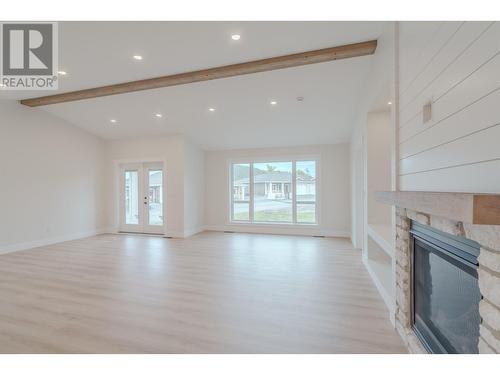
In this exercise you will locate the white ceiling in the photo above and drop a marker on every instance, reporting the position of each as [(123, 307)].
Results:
[(96, 54)]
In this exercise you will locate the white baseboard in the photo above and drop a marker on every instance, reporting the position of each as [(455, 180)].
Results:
[(111, 230), (193, 231), (280, 229), (48, 241), (218, 228), (174, 234)]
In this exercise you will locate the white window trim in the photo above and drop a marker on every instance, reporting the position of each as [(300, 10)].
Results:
[(273, 159)]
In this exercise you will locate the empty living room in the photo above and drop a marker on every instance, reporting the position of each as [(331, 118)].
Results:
[(206, 184)]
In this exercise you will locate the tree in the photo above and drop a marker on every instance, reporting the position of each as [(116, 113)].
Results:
[(270, 168), (303, 173)]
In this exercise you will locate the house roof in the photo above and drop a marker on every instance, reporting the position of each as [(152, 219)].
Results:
[(275, 176), (155, 178)]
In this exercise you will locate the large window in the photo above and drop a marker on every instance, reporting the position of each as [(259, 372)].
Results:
[(305, 175), (241, 192), (274, 192)]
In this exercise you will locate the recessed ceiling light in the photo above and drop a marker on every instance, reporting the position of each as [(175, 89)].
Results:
[(211, 109), (159, 115), (62, 72), (389, 103), (113, 121), (300, 98), (235, 37), (137, 57), (273, 102)]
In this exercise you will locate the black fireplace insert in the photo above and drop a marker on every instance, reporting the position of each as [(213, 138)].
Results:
[(445, 290)]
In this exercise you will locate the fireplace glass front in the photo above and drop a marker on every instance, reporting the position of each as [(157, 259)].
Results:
[(445, 291)]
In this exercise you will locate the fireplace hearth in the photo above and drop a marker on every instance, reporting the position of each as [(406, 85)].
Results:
[(445, 290)]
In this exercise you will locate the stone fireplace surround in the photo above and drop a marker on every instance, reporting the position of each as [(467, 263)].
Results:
[(457, 214)]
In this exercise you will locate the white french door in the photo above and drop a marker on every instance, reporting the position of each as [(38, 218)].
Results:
[(142, 198)]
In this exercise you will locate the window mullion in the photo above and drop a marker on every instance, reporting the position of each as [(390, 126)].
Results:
[(294, 193), (250, 209), (231, 191)]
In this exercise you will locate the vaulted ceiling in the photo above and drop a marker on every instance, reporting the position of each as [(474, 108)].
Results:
[(101, 53)]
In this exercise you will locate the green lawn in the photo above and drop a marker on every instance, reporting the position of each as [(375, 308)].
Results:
[(277, 215)]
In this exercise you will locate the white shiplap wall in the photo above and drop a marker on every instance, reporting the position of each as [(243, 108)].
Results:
[(456, 67)]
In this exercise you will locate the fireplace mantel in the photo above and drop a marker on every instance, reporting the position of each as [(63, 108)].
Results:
[(465, 207)]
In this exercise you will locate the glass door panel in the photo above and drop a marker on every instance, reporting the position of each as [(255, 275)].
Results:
[(155, 197), (131, 197)]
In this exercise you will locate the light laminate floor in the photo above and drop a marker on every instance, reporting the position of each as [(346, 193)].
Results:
[(211, 293)]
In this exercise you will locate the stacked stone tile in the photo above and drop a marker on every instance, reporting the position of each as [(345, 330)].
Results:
[(488, 236)]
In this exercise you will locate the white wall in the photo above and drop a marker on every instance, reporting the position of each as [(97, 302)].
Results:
[(194, 189), (357, 155), (378, 165), (51, 179), (184, 180), (456, 67), (377, 92), (334, 189)]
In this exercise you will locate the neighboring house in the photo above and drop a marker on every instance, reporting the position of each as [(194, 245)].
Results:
[(155, 187), (275, 185)]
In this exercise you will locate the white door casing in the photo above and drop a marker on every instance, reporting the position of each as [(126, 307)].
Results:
[(142, 203)]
